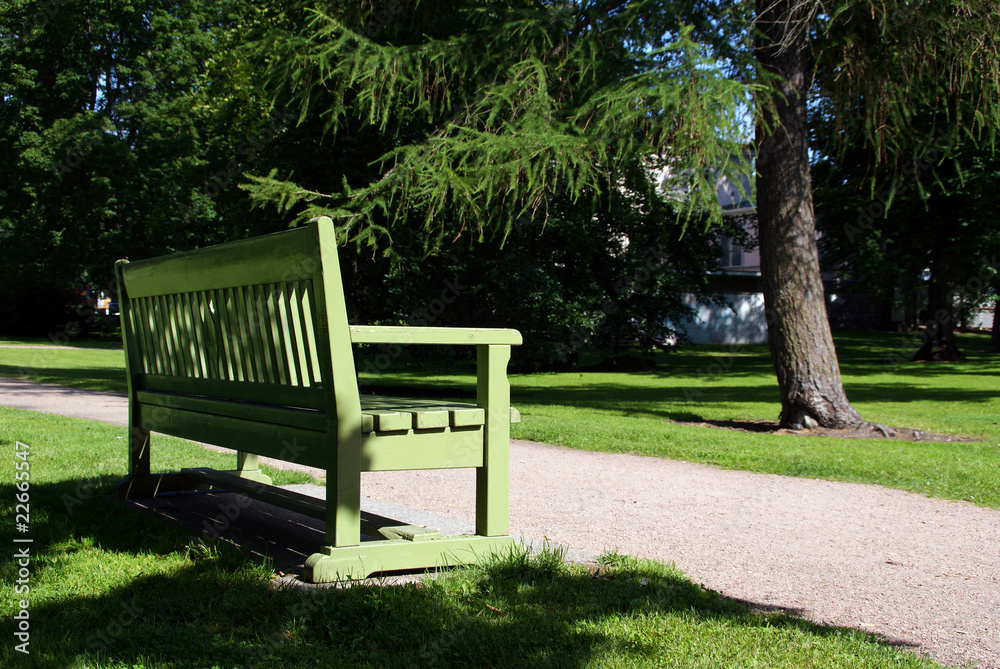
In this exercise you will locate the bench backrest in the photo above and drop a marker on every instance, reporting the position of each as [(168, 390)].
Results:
[(261, 320)]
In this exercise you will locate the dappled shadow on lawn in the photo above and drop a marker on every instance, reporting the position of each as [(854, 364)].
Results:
[(112, 585), (910, 392), (627, 398)]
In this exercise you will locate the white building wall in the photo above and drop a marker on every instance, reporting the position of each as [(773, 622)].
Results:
[(981, 319), (744, 323)]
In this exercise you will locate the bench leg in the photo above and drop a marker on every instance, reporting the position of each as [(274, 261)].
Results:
[(493, 478), (138, 450), (343, 490), (248, 467), (138, 481)]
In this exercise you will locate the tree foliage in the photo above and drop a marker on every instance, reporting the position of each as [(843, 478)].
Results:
[(523, 104), (121, 127)]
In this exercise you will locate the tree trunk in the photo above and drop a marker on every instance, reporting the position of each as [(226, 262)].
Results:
[(938, 334), (799, 333)]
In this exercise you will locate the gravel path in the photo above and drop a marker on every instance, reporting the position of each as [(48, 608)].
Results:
[(922, 572)]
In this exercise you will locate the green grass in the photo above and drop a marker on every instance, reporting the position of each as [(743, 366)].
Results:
[(96, 368), (109, 341), (114, 587), (637, 412)]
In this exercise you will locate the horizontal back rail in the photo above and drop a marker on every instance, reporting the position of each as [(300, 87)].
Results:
[(291, 255)]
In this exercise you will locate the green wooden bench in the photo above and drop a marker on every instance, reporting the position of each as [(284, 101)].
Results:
[(246, 345)]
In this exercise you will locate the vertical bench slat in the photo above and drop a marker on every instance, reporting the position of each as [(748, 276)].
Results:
[(302, 348), (265, 321), (191, 324), (171, 338), (208, 332), (253, 326), (308, 295), (288, 336), (163, 325), (148, 320), (300, 332), (230, 334), (205, 345), (254, 321), (225, 363), (177, 327), (184, 350), (135, 322), (189, 328), (277, 346), (246, 341)]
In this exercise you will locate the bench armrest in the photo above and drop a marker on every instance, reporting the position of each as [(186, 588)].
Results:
[(398, 334)]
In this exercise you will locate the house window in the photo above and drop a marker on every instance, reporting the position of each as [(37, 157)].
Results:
[(732, 252)]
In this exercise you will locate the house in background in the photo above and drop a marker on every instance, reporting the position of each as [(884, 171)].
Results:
[(741, 320)]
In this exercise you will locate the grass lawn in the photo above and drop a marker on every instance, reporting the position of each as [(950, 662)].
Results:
[(113, 587), (638, 411)]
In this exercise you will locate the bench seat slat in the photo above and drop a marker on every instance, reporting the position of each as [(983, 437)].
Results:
[(379, 414)]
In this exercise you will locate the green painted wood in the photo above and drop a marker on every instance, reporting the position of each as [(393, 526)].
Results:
[(288, 343), (196, 346), (282, 256), (138, 435), (277, 347), (336, 366), (154, 341), (248, 411), (386, 421), (307, 305), (248, 341), (431, 419), (392, 334), (444, 449), (247, 346), (336, 564), (283, 442), (248, 468), (304, 364), (234, 336), (466, 417), (262, 326), (260, 393), (492, 479), (161, 330), (409, 533)]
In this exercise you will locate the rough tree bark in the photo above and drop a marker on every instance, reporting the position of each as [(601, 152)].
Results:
[(800, 339)]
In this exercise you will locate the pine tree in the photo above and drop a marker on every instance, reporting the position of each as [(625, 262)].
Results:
[(530, 101)]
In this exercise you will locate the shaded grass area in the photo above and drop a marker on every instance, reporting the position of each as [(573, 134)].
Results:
[(113, 587), (638, 411)]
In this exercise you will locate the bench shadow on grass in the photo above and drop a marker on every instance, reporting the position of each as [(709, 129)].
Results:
[(112, 586)]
